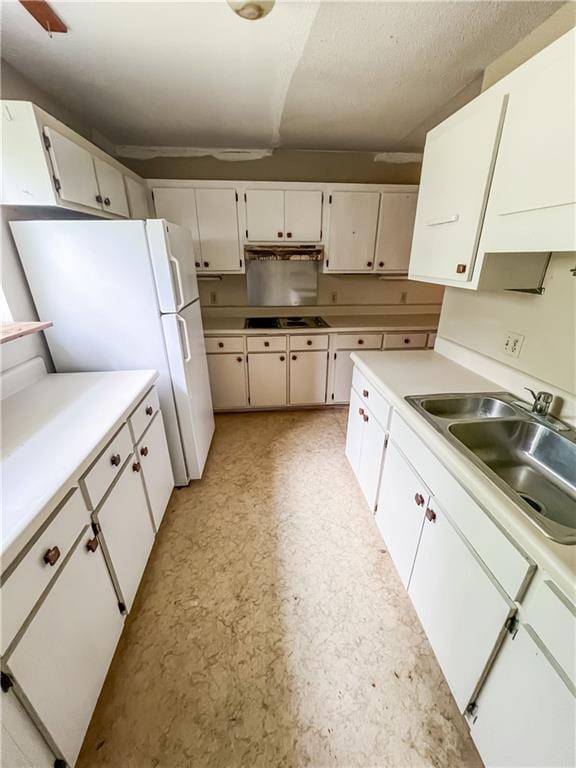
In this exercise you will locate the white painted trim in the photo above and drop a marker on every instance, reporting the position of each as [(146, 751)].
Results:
[(232, 155), (240, 186), (398, 158)]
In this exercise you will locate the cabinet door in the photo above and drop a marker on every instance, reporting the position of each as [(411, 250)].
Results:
[(138, 198), (353, 225), (370, 468), (457, 169), (303, 214), (526, 715), (267, 375), (343, 368), (228, 381), (179, 206), (218, 229), (127, 530), (461, 609), (308, 372), (62, 659), (532, 205), (265, 214), (112, 189), (395, 228), (73, 166), (354, 431), (22, 746), (154, 458), (402, 503)]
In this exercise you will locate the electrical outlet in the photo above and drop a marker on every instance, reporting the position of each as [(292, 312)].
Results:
[(513, 343), (334, 297), (213, 297)]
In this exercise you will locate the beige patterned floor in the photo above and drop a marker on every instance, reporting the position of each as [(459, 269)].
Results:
[(270, 628)]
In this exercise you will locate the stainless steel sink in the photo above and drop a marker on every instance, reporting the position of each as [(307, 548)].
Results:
[(533, 463)]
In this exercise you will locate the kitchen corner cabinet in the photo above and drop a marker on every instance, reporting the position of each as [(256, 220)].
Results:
[(138, 196), (228, 380), (352, 232), (525, 713), (278, 215), (395, 228), (268, 379)]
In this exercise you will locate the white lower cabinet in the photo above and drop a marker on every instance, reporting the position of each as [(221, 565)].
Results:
[(228, 381), (354, 431), (462, 610), (268, 377), (402, 503), (154, 458), (22, 745), (342, 376), (127, 530), (525, 714), (61, 660), (365, 443), (308, 374)]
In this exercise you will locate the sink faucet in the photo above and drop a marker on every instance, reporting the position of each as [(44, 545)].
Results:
[(542, 401)]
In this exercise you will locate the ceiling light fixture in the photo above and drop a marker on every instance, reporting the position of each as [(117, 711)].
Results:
[(252, 10)]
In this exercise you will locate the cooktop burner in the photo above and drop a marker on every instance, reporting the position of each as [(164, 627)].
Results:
[(285, 322)]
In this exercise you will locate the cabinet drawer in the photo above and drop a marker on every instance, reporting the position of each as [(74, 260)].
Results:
[(318, 341), (431, 340), (143, 414), (224, 344), (358, 340), (405, 340), (25, 584), (107, 466), (371, 397), (266, 343), (503, 558)]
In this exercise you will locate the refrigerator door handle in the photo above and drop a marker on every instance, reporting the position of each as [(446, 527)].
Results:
[(188, 353), (180, 302)]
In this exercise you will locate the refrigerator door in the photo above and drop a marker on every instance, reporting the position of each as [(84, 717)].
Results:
[(184, 337), (172, 255)]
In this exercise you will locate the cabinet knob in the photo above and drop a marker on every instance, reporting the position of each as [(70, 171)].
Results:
[(406, 341), (136, 466), (197, 264), (238, 359), (368, 263), (431, 515), (365, 417), (288, 234), (460, 269), (266, 343), (360, 341), (419, 499), (280, 234), (51, 556), (282, 358), (365, 393), (92, 544), (361, 411), (144, 450), (149, 410), (115, 459), (107, 201), (206, 264), (309, 342), (221, 344), (380, 264), (294, 357), (99, 199)]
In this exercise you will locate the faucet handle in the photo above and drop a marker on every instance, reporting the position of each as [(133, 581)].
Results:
[(541, 397), (534, 395)]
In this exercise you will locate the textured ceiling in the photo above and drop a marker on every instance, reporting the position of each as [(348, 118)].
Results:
[(330, 75)]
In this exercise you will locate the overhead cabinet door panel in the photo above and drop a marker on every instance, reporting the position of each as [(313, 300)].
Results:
[(112, 190), (303, 215), (395, 229), (457, 169), (353, 225), (218, 229), (179, 206), (265, 214), (73, 167)]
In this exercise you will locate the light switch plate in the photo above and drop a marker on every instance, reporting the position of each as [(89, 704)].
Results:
[(513, 343)]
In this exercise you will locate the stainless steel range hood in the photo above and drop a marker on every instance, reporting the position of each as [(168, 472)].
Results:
[(282, 275)]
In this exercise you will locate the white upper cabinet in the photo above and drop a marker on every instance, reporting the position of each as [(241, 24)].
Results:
[(74, 171), (112, 189), (264, 214), (532, 205), (395, 229), (303, 215), (456, 171), (217, 216), (179, 207), (353, 226), (138, 198)]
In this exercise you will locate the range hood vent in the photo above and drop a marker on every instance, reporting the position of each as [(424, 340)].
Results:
[(278, 252)]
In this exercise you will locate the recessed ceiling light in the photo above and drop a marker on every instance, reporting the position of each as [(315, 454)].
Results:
[(252, 10)]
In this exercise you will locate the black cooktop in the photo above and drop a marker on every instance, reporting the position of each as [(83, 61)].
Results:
[(285, 322)]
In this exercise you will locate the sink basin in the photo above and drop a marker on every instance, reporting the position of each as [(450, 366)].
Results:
[(537, 464), (472, 407)]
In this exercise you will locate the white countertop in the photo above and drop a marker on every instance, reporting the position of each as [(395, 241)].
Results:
[(396, 375), (336, 323), (50, 433)]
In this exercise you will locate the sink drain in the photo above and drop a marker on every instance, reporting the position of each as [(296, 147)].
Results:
[(532, 502)]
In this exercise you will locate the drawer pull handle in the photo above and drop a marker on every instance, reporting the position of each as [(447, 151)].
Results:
[(365, 417), (144, 450), (92, 544), (136, 466), (361, 411), (149, 410), (115, 460), (239, 359), (419, 499), (431, 515), (365, 393), (360, 341), (266, 343), (309, 342), (221, 344), (51, 556)]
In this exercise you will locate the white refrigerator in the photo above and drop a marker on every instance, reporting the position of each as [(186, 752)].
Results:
[(124, 295)]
